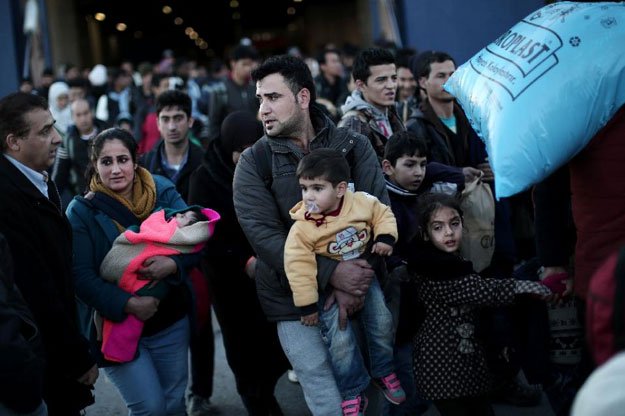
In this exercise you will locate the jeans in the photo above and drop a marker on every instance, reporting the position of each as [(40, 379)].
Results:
[(377, 325), (154, 383), (309, 358)]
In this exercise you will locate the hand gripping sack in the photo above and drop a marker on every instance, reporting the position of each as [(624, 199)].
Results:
[(478, 236), (540, 91)]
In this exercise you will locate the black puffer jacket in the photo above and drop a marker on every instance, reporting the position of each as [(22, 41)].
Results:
[(264, 213)]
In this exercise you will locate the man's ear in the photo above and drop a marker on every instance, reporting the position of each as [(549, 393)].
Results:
[(422, 81), (359, 84), (303, 98), (387, 167), (12, 142), (341, 189)]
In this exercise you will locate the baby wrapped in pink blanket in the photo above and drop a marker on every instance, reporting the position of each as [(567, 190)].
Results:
[(159, 235)]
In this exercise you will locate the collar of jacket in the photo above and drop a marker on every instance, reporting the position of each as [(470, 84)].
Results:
[(322, 126)]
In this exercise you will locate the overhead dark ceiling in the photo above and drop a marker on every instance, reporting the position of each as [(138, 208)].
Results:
[(150, 31)]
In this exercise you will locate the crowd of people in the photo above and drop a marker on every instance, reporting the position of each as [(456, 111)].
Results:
[(329, 195)]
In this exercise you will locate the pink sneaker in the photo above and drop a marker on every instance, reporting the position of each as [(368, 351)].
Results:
[(391, 388), (355, 407)]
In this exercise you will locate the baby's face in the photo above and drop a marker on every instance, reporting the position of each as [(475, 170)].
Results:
[(185, 218)]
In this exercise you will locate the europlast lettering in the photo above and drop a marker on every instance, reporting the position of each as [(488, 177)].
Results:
[(539, 92)]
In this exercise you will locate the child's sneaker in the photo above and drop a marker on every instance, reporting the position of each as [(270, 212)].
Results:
[(292, 376), (355, 407), (391, 388)]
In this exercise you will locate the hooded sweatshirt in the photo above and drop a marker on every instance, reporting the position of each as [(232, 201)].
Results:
[(356, 102)]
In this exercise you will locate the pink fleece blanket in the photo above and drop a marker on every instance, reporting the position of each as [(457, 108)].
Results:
[(156, 237)]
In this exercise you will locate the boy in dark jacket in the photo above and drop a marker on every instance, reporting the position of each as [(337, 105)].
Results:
[(408, 175)]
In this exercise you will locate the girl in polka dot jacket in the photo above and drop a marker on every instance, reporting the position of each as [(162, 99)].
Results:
[(449, 364)]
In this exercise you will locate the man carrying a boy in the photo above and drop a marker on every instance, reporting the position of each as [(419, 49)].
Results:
[(294, 126)]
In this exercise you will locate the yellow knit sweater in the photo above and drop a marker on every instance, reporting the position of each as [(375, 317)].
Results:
[(341, 237)]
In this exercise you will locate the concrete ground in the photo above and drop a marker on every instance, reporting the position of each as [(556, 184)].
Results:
[(226, 399)]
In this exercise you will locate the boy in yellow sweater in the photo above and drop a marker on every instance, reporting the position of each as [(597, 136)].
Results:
[(335, 222)]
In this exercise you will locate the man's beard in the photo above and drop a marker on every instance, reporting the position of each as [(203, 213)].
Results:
[(289, 128), (447, 98)]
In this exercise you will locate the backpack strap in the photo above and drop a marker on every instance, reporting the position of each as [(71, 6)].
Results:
[(344, 133), (261, 152), (618, 312)]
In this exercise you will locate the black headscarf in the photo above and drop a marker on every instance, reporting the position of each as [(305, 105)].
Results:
[(239, 130)]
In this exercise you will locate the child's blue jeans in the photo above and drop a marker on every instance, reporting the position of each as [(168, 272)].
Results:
[(347, 361)]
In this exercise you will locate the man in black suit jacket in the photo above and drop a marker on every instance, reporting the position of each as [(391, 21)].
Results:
[(40, 237)]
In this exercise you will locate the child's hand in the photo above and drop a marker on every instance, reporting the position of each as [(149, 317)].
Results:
[(310, 320), (471, 174), (557, 283), (382, 249)]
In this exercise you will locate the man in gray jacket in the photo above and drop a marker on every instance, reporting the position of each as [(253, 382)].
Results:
[(266, 188)]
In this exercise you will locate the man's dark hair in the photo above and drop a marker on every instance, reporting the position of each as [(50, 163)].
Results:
[(294, 70), (13, 109), (327, 164), (422, 63), (145, 68), (350, 49), (404, 54), (116, 73), (404, 143), (215, 65), (403, 61), (321, 56), (244, 52), (368, 58), (157, 78), (174, 98), (78, 83)]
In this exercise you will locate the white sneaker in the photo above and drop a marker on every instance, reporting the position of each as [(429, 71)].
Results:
[(290, 374)]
